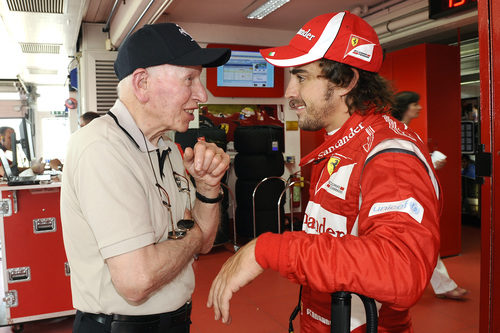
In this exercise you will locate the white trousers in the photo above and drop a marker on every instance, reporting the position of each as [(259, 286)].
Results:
[(440, 280)]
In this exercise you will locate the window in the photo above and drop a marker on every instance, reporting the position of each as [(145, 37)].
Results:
[(56, 133), (51, 98)]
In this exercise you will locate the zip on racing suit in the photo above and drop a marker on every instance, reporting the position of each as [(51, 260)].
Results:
[(371, 225)]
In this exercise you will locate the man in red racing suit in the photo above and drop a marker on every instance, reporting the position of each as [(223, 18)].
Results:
[(371, 225), (373, 180)]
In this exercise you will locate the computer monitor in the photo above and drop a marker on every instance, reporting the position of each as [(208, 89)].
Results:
[(13, 148), (26, 140), (246, 74)]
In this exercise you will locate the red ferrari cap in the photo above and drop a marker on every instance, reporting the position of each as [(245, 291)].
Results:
[(341, 37)]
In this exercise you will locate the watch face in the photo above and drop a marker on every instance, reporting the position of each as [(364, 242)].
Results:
[(177, 234), (185, 224)]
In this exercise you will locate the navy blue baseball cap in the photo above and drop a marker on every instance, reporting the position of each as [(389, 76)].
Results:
[(164, 43)]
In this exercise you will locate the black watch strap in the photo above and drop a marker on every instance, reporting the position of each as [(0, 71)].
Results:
[(204, 199)]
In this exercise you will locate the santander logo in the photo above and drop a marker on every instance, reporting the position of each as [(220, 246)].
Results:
[(318, 220), (342, 141), (306, 34)]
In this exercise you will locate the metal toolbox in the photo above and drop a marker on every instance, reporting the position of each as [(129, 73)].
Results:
[(35, 281)]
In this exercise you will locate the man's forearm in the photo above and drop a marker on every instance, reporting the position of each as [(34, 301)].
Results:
[(207, 216), (137, 274)]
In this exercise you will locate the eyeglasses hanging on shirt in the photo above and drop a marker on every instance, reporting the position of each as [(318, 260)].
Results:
[(180, 180), (183, 225)]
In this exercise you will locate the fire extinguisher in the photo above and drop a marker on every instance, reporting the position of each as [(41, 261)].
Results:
[(297, 188)]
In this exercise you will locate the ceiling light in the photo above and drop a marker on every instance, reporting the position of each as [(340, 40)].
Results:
[(9, 96), (266, 9)]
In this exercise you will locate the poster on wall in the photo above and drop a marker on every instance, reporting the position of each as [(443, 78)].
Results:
[(230, 116)]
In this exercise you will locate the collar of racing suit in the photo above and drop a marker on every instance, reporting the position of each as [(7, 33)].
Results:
[(344, 134)]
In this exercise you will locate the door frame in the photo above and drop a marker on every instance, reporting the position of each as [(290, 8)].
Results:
[(489, 40)]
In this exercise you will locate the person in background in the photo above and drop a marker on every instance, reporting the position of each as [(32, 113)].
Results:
[(87, 117), (129, 233), (5, 137), (470, 112), (470, 190), (406, 109), (371, 225), (6, 144), (468, 167)]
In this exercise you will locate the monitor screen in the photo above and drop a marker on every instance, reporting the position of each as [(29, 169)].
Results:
[(246, 74), (245, 69), (26, 139)]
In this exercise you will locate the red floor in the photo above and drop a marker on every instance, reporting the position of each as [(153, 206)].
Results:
[(265, 305)]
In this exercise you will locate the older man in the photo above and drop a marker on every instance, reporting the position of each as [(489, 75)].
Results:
[(371, 225), (121, 203)]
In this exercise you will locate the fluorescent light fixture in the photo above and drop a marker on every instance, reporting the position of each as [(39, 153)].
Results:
[(266, 9), (9, 96), (470, 82)]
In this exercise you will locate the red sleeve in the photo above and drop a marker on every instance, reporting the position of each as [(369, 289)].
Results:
[(394, 255)]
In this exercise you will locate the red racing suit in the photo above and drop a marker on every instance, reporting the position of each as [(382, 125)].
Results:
[(371, 225)]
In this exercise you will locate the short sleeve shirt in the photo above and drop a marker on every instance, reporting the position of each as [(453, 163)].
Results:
[(110, 205)]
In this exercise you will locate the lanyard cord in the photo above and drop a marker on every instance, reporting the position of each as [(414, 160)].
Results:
[(167, 204), (169, 161), (161, 160)]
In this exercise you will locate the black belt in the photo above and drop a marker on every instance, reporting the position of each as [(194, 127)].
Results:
[(168, 319)]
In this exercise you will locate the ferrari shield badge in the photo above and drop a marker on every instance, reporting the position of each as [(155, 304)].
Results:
[(333, 162)]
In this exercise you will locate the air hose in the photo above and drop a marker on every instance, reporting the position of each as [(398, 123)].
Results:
[(341, 313)]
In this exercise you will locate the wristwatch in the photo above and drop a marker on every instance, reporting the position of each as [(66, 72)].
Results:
[(204, 199)]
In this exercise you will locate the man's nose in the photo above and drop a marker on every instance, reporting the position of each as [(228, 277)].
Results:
[(291, 90)]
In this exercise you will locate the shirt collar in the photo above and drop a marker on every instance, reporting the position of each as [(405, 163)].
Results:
[(333, 132), (127, 124)]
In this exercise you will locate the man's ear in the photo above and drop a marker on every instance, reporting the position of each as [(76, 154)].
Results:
[(140, 83), (354, 81)]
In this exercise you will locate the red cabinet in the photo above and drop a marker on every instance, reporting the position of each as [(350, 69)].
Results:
[(35, 272)]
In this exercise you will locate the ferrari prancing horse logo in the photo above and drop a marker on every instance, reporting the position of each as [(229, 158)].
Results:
[(354, 41), (332, 164)]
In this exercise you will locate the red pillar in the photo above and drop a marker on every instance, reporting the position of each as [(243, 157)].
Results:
[(489, 66)]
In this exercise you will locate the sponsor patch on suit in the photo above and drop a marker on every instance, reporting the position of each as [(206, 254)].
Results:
[(409, 206), (338, 182)]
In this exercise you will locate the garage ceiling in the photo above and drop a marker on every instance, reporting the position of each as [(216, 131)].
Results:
[(41, 35)]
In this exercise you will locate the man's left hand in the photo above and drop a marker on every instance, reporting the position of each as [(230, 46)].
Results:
[(38, 166)]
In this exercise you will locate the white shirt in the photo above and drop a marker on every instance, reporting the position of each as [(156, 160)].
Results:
[(110, 206)]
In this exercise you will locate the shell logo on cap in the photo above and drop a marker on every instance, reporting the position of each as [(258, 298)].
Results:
[(333, 162)]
